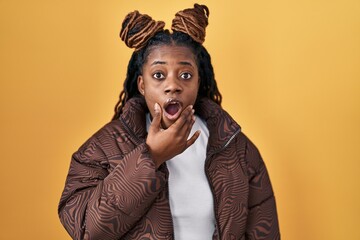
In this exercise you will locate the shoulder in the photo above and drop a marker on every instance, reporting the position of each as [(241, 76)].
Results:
[(119, 136), (102, 144), (249, 152)]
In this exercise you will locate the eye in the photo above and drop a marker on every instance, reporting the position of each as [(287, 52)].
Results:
[(186, 75), (158, 75)]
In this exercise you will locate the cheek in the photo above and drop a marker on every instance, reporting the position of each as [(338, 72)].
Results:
[(150, 107), (150, 101), (196, 90), (149, 97)]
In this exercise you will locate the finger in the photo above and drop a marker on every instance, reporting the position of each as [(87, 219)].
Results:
[(184, 117), (186, 129), (193, 139), (183, 132), (155, 124)]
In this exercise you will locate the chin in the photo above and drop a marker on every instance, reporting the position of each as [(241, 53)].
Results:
[(167, 124)]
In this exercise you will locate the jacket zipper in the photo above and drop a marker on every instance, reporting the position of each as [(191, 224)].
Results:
[(168, 197), (211, 186), (215, 204)]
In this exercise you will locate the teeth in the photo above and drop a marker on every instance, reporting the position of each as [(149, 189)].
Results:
[(171, 101)]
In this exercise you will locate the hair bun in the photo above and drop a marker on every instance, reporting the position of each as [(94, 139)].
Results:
[(138, 28), (192, 21)]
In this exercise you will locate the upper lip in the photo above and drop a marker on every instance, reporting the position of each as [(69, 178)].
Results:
[(172, 101)]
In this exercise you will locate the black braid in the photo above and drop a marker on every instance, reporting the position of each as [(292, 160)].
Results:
[(208, 87)]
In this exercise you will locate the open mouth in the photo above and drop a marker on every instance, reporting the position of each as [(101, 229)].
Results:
[(172, 109)]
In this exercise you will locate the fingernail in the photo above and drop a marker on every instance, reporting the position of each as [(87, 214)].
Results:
[(193, 111), (157, 107)]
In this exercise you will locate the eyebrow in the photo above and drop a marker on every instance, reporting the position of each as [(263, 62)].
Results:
[(158, 62), (185, 63), (164, 63)]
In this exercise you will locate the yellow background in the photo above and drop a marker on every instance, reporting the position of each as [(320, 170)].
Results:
[(289, 72)]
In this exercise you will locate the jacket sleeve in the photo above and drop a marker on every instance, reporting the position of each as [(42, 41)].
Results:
[(96, 204), (262, 220)]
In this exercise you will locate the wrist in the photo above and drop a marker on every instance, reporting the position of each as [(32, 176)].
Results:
[(157, 161)]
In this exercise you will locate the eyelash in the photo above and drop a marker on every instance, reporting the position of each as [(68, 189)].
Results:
[(163, 76), (190, 75)]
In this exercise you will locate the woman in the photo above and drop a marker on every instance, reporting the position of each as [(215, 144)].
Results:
[(172, 163)]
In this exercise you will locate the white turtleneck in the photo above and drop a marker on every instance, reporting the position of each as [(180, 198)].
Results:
[(191, 200)]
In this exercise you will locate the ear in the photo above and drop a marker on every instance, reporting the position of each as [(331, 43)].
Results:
[(140, 85)]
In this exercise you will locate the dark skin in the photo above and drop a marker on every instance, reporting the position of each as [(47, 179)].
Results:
[(169, 74)]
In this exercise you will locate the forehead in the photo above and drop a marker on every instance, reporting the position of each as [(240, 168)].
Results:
[(171, 53)]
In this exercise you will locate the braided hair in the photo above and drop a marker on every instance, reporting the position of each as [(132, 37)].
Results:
[(144, 34)]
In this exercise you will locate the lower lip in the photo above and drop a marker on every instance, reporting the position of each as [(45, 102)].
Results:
[(173, 117)]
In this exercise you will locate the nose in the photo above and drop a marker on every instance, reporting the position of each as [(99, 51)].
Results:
[(173, 85)]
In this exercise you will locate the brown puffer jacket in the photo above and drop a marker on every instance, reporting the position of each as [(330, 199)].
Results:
[(113, 190)]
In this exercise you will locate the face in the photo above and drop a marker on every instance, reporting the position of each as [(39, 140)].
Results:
[(170, 78)]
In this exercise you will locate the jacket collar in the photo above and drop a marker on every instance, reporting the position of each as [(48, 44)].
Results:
[(134, 116), (221, 126)]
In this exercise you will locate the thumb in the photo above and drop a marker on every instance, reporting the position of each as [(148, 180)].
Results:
[(155, 124)]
